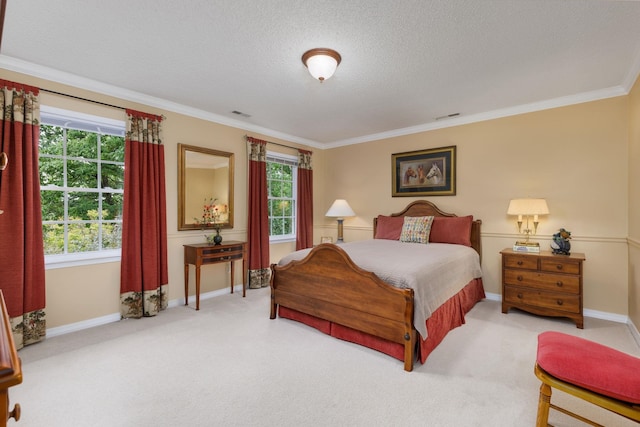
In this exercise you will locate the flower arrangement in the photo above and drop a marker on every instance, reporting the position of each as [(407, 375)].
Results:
[(211, 214)]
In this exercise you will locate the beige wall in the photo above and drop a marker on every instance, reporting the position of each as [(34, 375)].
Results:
[(575, 157), (634, 204)]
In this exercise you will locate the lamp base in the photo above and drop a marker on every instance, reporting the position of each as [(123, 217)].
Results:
[(530, 247)]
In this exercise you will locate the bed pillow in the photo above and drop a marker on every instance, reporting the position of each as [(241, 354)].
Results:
[(416, 229), (389, 227), (454, 230)]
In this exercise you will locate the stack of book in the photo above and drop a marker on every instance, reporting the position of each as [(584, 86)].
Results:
[(529, 247)]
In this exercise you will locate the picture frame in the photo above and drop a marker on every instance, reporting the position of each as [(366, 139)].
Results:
[(429, 172)]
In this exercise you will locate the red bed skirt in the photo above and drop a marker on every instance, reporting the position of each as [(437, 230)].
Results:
[(449, 316)]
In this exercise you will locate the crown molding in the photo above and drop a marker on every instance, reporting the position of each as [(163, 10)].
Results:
[(24, 67), (490, 115), (20, 66)]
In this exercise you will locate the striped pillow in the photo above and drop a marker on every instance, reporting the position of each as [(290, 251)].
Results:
[(416, 229)]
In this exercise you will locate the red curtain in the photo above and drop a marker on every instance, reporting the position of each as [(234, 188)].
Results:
[(144, 275), (304, 217), (22, 277), (258, 233)]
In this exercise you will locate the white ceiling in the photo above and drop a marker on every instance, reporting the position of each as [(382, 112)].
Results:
[(404, 62)]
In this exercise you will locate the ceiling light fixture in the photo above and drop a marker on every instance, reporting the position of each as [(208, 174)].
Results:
[(321, 62)]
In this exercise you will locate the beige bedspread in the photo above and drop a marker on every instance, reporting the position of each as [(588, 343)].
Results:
[(435, 272)]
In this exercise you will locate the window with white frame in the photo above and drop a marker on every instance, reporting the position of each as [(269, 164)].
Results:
[(81, 162), (282, 181)]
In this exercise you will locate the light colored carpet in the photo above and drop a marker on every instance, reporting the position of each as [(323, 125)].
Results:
[(230, 365)]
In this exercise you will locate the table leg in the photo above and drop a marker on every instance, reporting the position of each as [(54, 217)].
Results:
[(232, 276), (197, 287), (244, 277), (186, 284)]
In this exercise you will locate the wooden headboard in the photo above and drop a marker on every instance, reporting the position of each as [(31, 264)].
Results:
[(426, 208)]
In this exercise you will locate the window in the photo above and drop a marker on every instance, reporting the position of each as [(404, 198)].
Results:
[(282, 179), (81, 162)]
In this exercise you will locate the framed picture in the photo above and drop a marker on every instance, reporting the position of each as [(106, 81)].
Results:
[(424, 173)]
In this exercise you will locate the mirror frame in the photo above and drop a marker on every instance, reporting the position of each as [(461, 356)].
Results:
[(182, 184)]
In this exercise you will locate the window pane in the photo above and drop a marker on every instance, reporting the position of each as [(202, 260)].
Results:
[(278, 208), (51, 171), (111, 235), (287, 225), (83, 206), (287, 208), (277, 227), (112, 176), (82, 144), (53, 239), (51, 140), (52, 205), (287, 189), (112, 148), (83, 238), (112, 205), (82, 174)]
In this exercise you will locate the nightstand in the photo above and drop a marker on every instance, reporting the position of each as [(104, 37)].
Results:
[(543, 283)]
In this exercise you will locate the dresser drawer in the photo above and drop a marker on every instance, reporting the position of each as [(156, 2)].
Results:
[(213, 251), (543, 281), (224, 256), (550, 300), (560, 266), (520, 261)]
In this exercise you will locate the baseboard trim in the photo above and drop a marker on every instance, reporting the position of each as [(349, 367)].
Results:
[(110, 318), (595, 314)]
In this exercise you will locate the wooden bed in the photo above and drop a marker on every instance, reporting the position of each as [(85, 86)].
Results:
[(328, 291)]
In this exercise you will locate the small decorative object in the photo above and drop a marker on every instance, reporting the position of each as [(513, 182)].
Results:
[(211, 218), (561, 244)]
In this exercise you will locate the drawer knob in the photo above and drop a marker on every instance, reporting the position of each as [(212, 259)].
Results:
[(559, 302), (520, 296), (15, 414), (559, 266), (519, 262), (519, 278), (559, 284)]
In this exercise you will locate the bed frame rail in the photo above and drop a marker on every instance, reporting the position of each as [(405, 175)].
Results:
[(317, 285)]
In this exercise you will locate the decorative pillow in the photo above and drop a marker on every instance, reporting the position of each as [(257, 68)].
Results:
[(389, 227), (416, 229), (454, 230)]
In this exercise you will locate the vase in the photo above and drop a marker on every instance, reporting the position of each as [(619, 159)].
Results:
[(217, 239), (214, 239)]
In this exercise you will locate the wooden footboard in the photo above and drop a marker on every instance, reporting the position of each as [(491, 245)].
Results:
[(328, 285)]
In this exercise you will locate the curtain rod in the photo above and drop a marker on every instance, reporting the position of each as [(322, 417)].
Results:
[(82, 99), (281, 145)]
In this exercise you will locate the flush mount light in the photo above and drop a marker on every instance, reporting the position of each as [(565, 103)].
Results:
[(321, 62)]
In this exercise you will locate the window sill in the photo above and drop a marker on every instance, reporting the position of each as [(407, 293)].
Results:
[(275, 240), (74, 260)]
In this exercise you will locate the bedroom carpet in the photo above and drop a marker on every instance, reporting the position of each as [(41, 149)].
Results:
[(229, 365)]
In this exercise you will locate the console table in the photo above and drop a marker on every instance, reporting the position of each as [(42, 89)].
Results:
[(203, 253)]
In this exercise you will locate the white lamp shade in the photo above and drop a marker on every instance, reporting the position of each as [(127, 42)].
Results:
[(528, 207), (340, 209), (321, 62), (322, 67)]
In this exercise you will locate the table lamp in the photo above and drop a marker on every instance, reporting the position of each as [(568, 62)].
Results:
[(340, 209), (527, 208)]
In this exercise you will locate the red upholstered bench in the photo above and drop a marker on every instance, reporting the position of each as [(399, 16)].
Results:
[(588, 370)]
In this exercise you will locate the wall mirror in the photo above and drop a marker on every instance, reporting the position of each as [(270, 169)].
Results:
[(204, 175)]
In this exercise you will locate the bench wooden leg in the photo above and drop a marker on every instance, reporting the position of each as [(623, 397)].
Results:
[(543, 406)]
